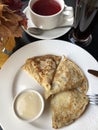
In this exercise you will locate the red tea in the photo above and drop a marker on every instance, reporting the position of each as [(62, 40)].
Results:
[(46, 7)]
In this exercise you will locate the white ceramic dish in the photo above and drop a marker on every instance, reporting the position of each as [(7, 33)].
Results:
[(13, 80), (50, 34), (28, 105)]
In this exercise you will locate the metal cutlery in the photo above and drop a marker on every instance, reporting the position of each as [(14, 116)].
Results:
[(93, 72), (93, 99), (39, 31)]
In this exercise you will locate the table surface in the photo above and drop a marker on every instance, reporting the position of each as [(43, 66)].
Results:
[(92, 48)]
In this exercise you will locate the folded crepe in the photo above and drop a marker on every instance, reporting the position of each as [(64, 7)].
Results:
[(68, 76), (67, 106), (42, 69)]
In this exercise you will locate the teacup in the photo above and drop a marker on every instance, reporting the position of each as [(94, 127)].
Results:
[(49, 14)]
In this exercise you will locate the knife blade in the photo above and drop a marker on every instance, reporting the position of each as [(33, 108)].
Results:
[(93, 72)]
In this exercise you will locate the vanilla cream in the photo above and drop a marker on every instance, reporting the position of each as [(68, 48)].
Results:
[(28, 105)]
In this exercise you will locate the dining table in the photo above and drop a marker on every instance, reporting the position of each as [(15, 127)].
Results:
[(92, 48)]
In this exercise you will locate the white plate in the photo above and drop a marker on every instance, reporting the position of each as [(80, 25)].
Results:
[(50, 34), (13, 80)]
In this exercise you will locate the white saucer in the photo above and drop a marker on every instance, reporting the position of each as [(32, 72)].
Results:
[(50, 34)]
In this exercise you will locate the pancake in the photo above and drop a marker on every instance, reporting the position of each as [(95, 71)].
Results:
[(67, 106), (83, 88), (42, 69), (68, 76)]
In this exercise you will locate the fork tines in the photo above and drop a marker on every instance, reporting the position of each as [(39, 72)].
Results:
[(93, 99)]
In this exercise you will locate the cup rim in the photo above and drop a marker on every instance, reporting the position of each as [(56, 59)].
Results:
[(29, 6), (17, 96)]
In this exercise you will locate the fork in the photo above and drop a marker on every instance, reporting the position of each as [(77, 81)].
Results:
[(93, 99)]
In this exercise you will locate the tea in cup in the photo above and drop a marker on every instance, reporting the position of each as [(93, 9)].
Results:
[(48, 14)]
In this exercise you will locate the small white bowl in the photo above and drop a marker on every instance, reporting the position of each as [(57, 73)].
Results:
[(28, 105)]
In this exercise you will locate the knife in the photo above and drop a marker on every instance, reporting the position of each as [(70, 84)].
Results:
[(93, 72)]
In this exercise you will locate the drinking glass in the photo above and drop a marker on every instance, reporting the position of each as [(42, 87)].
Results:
[(86, 16)]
